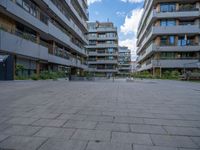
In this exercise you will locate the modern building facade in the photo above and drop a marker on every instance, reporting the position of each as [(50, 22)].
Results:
[(44, 34), (124, 62), (102, 48), (169, 36)]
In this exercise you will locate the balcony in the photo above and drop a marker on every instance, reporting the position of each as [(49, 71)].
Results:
[(168, 48), (24, 15), (102, 54), (103, 30), (103, 62), (103, 70), (103, 46), (180, 29), (159, 30), (103, 38), (194, 13), (176, 63), (64, 38), (23, 45), (66, 20)]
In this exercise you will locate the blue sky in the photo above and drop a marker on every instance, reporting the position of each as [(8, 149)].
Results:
[(125, 14)]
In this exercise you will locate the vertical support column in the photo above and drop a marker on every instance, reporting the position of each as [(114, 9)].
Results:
[(38, 38), (14, 66), (37, 68), (177, 6)]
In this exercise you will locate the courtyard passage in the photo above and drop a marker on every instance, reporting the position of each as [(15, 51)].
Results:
[(101, 115)]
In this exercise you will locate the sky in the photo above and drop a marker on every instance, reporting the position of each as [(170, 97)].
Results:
[(125, 14)]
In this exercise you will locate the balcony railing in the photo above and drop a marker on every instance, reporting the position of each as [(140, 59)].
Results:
[(32, 9), (25, 35)]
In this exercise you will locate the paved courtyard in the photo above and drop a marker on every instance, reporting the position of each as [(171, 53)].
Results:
[(62, 115)]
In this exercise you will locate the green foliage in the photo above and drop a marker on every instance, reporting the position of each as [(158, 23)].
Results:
[(19, 68), (175, 74), (144, 74), (35, 77)]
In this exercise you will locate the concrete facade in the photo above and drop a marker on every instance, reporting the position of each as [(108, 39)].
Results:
[(124, 63), (49, 33), (102, 48), (169, 36)]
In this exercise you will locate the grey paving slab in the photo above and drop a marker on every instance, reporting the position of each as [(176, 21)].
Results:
[(173, 141), (162, 114), (59, 133), (143, 147), (196, 140), (123, 137), (72, 117), (132, 120), (3, 137), (99, 118), (21, 121), (112, 127), (80, 124), (183, 131), (22, 143), (139, 128), (21, 130), (53, 144), (49, 122), (93, 135), (108, 146)]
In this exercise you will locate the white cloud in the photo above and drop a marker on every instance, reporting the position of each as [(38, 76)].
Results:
[(120, 13), (93, 1), (129, 30), (132, 1), (131, 22)]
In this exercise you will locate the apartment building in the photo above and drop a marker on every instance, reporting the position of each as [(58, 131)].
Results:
[(43, 35), (124, 62), (169, 36), (102, 48)]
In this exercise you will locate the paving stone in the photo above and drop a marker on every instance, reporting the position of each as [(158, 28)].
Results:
[(128, 120), (173, 141), (2, 137), (183, 131), (49, 122), (21, 121), (108, 146), (196, 140), (99, 118), (93, 135), (72, 117), (21, 130), (22, 143), (59, 133), (147, 129), (53, 144), (80, 124), (112, 127), (131, 138), (143, 147)]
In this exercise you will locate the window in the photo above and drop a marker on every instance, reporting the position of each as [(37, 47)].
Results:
[(110, 50), (167, 23), (167, 40), (92, 42), (167, 7)]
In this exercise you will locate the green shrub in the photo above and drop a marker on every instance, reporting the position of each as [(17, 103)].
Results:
[(44, 75), (175, 74), (35, 77)]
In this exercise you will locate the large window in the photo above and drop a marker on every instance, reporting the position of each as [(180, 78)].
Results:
[(167, 7), (167, 40), (167, 22)]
